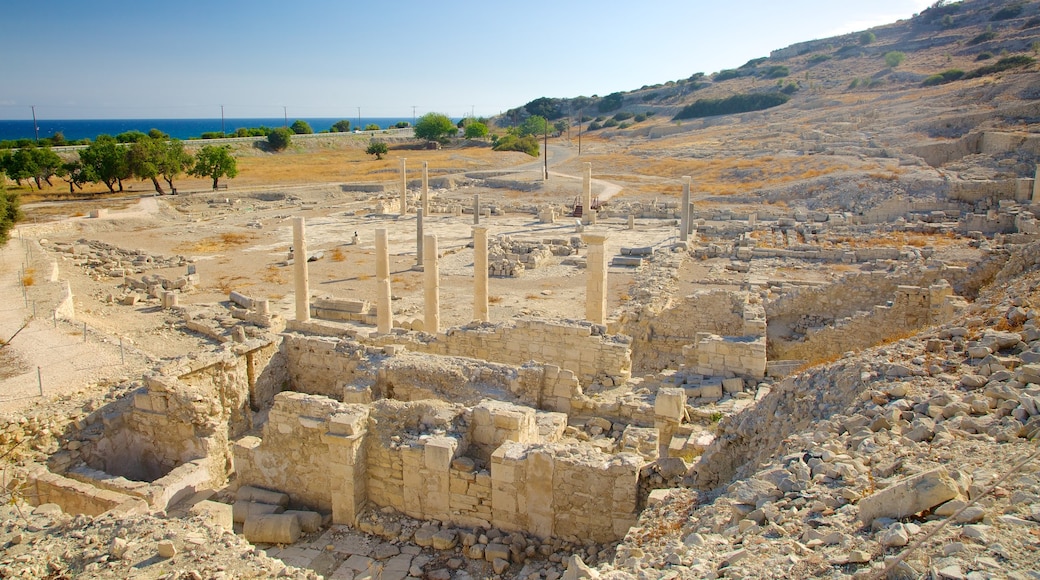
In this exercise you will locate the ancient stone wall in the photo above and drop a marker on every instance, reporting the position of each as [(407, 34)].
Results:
[(491, 465), (911, 308), (581, 347), (658, 336), (187, 413), (740, 356), (38, 485)]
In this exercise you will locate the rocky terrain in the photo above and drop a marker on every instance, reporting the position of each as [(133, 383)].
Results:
[(914, 457)]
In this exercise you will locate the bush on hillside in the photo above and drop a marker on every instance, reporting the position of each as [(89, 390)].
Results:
[(639, 118), (1006, 63), (623, 116), (611, 102), (985, 55), (776, 72), (1007, 13), (894, 58), (730, 105), (984, 37), (727, 74), (947, 76), (867, 38), (1031, 23), (754, 62), (818, 58)]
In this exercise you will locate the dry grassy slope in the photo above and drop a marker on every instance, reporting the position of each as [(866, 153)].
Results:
[(830, 128)]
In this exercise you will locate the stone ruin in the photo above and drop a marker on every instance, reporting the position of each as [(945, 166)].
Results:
[(551, 428)]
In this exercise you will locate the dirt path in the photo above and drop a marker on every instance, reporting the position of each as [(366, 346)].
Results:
[(49, 355)]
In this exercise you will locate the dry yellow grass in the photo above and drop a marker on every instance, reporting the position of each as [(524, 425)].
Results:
[(337, 255), (29, 277), (214, 244)]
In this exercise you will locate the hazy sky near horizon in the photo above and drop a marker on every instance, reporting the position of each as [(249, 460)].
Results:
[(112, 59)]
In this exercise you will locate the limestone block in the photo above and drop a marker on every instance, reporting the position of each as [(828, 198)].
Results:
[(243, 510), (309, 521), (272, 529), (909, 496), (670, 403), (734, 385), (258, 495), (499, 551)]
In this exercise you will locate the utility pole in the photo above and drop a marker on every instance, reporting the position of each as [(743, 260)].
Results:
[(36, 127), (413, 115), (222, 120), (545, 143), (286, 114), (581, 115), (359, 118)]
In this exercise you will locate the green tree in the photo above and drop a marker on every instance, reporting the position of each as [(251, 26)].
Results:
[(894, 58), (534, 125), (19, 165), (371, 127), (434, 127), (9, 212), (73, 174), (377, 148), (475, 130), (47, 164), (214, 162), (340, 126), (867, 38), (157, 134), (560, 126), (143, 160), (173, 161), (105, 161), (301, 127), (280, 139)]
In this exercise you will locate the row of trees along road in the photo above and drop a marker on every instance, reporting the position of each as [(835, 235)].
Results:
[(150, 157)]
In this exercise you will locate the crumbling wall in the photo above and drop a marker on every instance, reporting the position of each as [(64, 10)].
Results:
[(579, 346), (486, 466), (659, 334), (38, 486), (183, 413), (561, 490), (713, 355), (911, 308), (291, 455), (346, 370)]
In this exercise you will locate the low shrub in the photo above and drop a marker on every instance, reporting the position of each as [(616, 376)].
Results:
[(947, 76), (984, 37), (527, 144), (594, 126), (818, 58), (1007, 13), (776, 72), (729, 105), (894, 58), (1006, 63), (623, 116), (639, 118), (985, 55), (727, 74)]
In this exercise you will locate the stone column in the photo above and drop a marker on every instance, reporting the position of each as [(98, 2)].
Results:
[(752, 220), (596, 283), (419, 237), (476, 209), (684, 221), (586, 192), (431, 287), (303, 291), (384, 316), (425, 188), (631, 221), (404, 187), (1036, 187), (480, 274)]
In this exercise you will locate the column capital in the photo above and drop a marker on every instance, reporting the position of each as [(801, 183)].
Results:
[(594, 239)]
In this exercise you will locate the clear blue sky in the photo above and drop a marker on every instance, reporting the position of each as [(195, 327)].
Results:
[(324, 58)]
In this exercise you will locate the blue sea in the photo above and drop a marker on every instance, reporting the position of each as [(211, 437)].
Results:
[(75, 129)]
